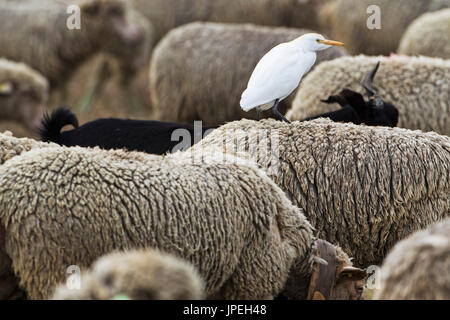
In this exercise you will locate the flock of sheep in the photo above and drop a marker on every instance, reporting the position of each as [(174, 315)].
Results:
[(254, 209)]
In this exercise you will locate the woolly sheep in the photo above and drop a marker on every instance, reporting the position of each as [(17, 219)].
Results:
[(23, 94), (106, 25), (419, 87), (363, 188), (349, 21), (153, 137), (221, 216), (200, 70), (139, 275), (428, 35), (9, 284), (11, 146), (418, 267), (169, 14)]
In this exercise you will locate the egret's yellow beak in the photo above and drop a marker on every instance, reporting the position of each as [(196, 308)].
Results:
[(331, 42)]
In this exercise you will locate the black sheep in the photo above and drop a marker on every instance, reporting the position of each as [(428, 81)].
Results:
[(153, 137), (375, 112), (356, 110)]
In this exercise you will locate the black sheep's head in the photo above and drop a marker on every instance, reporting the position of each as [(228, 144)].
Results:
[(382, 111), (375, 111), (385, 114)]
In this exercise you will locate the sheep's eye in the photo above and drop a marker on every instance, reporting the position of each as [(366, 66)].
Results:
[(6, 88), (347, 275)]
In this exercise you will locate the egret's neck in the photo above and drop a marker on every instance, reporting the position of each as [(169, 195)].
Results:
[(302, 46)]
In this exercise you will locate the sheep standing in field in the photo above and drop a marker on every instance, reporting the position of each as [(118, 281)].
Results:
[(139, 275), (351, 21), (200, 70), (69, 206), (363, 188), (418, 267), (23, 96), (169, 14), (37, 34), (419, 87), (428, 35)]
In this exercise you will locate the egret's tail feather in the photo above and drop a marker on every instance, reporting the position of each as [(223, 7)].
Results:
[(244, 103), (245, 107)]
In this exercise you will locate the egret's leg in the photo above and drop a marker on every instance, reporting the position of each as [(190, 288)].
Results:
[(258, 113), (275, 110)]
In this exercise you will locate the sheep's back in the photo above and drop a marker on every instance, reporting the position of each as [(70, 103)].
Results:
[(349, 21), (43, 27), (428, 35), (67, 206), (417, 268), (364, 188)]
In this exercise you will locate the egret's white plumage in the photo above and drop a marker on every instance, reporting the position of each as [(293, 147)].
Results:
[(280, 70)]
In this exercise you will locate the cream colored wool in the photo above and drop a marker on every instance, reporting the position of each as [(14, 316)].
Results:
[(169, 14), (199, 71), (362, 188), (348, 21), (419, 87), (418, 268), (428, 35), (28, 98), (68, 206), (139, 275), (11, 146), (36, 32)]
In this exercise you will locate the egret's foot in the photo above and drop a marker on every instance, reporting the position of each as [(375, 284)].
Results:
[(275, 110), (258, 114), (283, 118)]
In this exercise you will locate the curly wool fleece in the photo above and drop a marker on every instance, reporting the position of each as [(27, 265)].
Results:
[(68, 206), (362, 188)]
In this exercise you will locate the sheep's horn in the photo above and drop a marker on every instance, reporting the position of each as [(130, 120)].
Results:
[(368, 79), (320, 261)]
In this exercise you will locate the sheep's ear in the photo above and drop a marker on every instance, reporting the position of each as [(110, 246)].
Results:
[(356, 101), (336, 99), (352, 273), (90, 7), (6, 88)]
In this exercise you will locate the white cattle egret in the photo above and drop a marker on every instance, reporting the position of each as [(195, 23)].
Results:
[(280, 70)]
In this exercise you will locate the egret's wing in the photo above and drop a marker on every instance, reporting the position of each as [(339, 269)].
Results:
[(276, 75), (269, 91)]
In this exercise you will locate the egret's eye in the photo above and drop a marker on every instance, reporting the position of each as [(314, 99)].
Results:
[(317, 40)]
